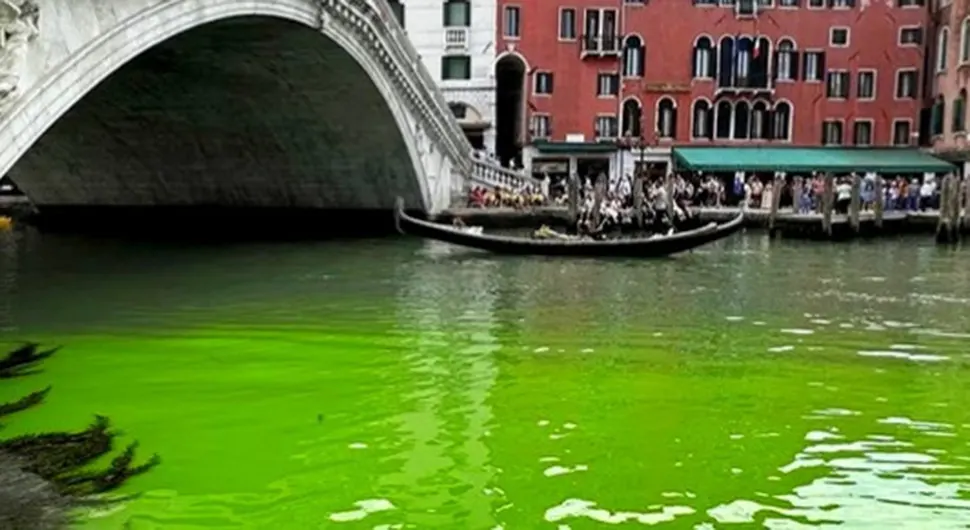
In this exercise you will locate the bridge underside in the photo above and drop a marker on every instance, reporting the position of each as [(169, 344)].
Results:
[(243, 113)]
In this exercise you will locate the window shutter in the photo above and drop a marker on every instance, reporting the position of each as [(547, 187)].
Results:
[(848, 85), (693, 62), (769, 129), (794, 66), (821, 62), (774, 72), (551, 79), (713, 63), (673, 125)]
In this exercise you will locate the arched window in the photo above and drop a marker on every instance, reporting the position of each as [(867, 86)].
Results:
[(633, 57), (965, 41), (702, 120), (759, 120), (959, 112), (781, 120), (724, 118), (632, 112), (936, 116), (742, 67), (942, 42), (786, 61), (725, 58), (760, 71), (666, 118), (704, 61), (742, 115)]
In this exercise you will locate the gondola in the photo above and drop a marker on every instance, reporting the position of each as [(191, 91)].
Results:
[(652, 247)]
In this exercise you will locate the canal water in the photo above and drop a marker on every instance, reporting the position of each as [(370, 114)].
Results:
[(396, 383)]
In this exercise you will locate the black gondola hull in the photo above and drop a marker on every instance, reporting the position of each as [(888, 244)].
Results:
[(640, 248)]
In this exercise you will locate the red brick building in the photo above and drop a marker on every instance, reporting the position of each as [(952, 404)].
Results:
[(596, 73), (949, 51)]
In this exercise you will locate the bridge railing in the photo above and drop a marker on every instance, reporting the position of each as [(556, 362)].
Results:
[(492, 175)]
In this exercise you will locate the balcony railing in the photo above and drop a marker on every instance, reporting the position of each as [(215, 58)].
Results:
[(456, 39), (598, 45)]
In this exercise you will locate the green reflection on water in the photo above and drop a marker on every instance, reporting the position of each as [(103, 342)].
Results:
[(395, 382)]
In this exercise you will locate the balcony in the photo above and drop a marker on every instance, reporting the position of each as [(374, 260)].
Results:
[(456, 40), (600, 46)]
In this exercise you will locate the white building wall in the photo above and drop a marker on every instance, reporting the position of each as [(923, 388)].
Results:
[(424, 24)]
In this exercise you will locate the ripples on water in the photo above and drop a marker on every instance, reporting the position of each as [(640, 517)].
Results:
[(398, 384)]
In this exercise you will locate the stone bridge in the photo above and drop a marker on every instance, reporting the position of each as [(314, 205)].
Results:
[(317, 104)]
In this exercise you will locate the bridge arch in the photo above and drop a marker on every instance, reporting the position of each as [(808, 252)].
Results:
[(38, 110)]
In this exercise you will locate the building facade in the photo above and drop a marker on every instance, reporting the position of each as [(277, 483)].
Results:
[(455, 39), (947, 94), (607, 84)]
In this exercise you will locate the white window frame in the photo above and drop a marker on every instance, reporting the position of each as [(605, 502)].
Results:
[(575, 23), (445, 58), (848, 76), (804, 66), (791, 121), (872, 131), (783, 6), (506, 9), (899, 72), (596, 120), (875, 83), (941, 57), (836, 7), (657, 119), (899, 37), (615, 76), (751, 120), (964, 38), (711, 57), (534, 119), (808, 5), (914, 5), (792, 75), (828, 121), (909, 130), (535, 83), (600, 34), (848, 36), (468, 6), (710, 116), (642, 57)]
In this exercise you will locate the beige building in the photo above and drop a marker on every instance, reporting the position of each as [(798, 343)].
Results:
[(949, 65)]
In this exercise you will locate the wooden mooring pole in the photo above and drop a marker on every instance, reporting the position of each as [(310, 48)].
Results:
[(573, 197), (776, 187), (855, 203), (966, 203), (599, 190), (828, 203), (878, 205), (638, 200), (946, 229)]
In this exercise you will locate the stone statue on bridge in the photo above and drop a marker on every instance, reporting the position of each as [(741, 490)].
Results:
[(18, 26)]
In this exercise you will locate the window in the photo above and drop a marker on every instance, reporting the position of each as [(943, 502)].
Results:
[(965, 41), (746, 8), (839, 37), (911, 36), (787, 3), (942, 42), (454, 67), (910, 3), (702, 120), (543, 83), (867, 85), (600, 30), (666, 118), (901, 132), (765, 3), (816, 4), (742, 120), (726, 2), (814, 66), (781, 120), (786, 61), (540, 126), (705, 2), (632, 112), (633, 57), (906, 83), (842, 4), (958, 123), (607, 85), (837, 84), (457, 13), (862, 132), (606, 126), (511, 22), (723, 120), (567, 24), (831, 132), (937, 112), (704, 61), (759, 120)]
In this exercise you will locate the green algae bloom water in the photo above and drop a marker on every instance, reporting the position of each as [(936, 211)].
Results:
[(391, 384)]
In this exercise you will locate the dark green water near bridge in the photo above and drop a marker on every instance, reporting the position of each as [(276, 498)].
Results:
[(401, 384)]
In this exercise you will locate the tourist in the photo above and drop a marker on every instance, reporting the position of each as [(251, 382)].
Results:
[(843, 196)]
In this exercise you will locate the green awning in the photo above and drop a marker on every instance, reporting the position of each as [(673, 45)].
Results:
[(545, 146), (809, 159)]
